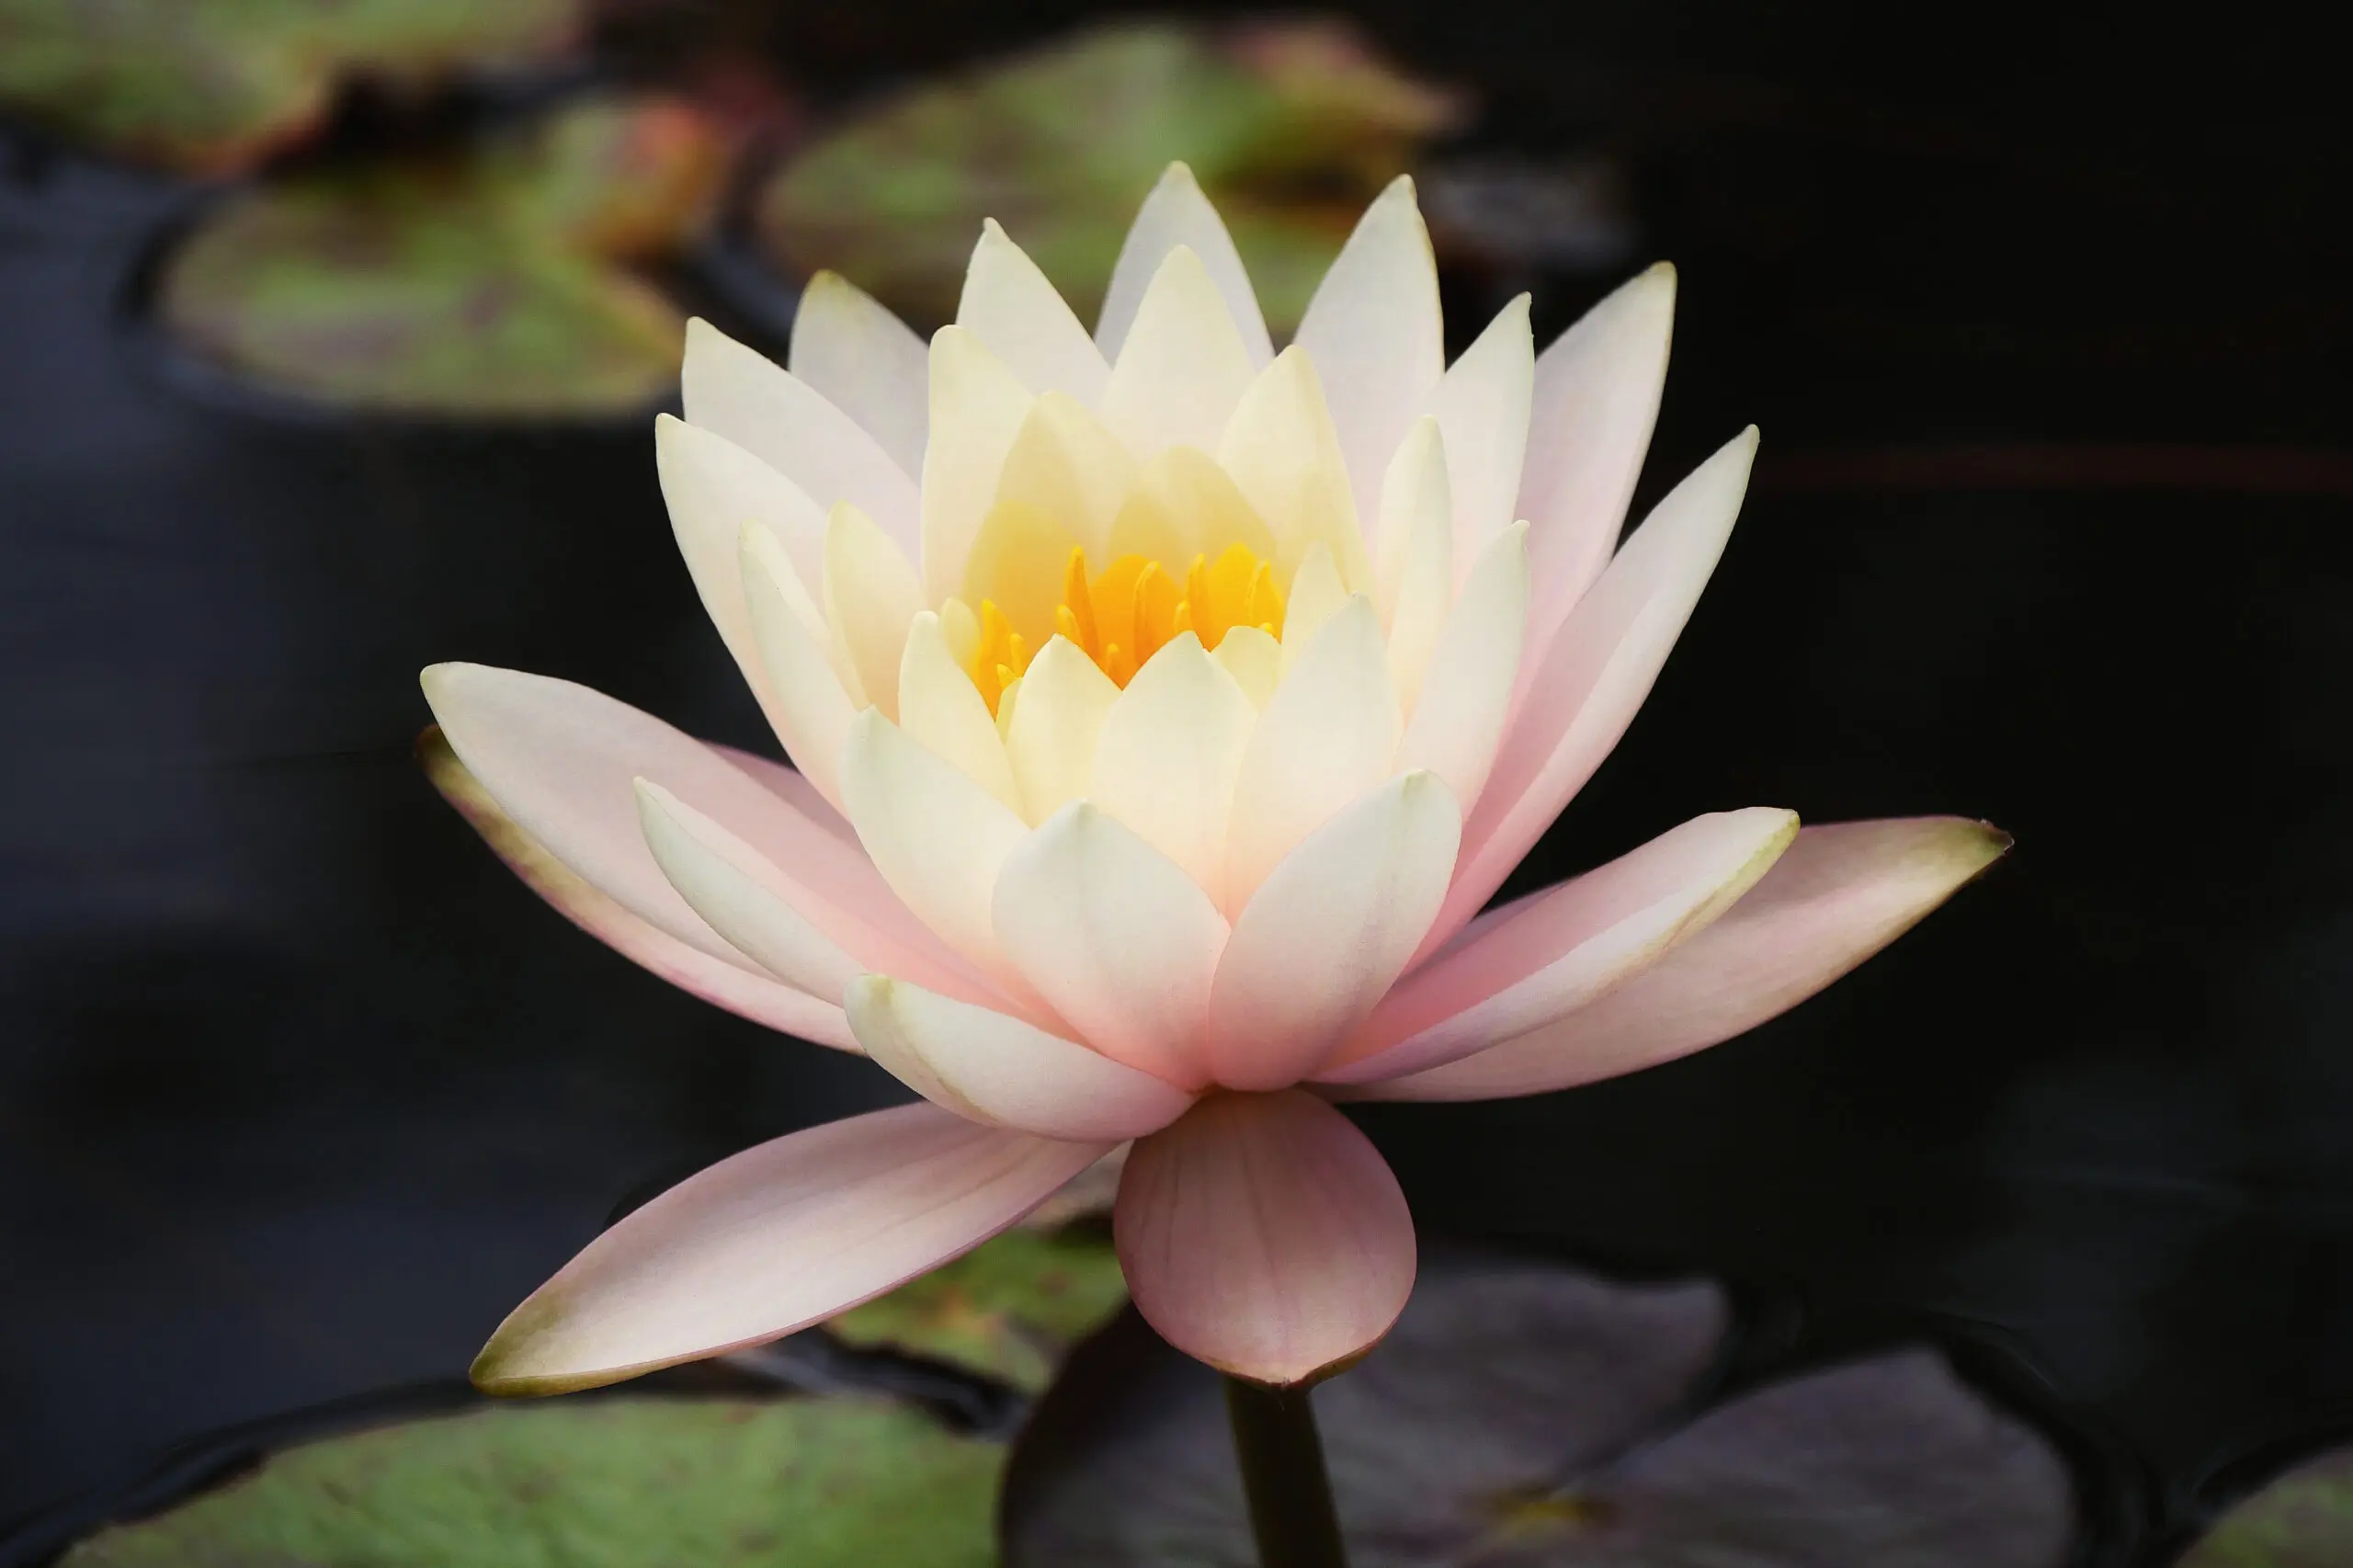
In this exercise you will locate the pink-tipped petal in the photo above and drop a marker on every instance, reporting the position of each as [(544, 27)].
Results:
[(1116, 937), (1596, 398), (1557, 950), (773, 1240), (1840, 893), (1593, 678), (794, 788), (1265, 1235), (986, 1066), (729, 983), (1482, 405), (1329, 931)]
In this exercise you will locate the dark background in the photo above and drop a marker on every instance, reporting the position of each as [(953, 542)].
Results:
[(2045, 320)]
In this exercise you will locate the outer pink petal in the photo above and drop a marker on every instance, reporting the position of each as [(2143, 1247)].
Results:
[(1559, 949), (1841, 893), (733, 984), (775, 1239), (1596, 397), (988, 1066), (1265, 1235), (1594, 677), (789, 785)]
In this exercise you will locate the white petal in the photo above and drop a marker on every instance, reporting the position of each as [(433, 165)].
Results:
[(1417, 511), (871, 598), (733, 889), (1375, 333), (1331, 927), (1415, 495), (1328, 737), (1182, 369), (714, 489), (1316, 596), (1596, 395), (1557, 950), (939, 706), (865, 362), (806, 703), (1057, 721), (1284, 455), (1009, 304), (1170, 748), (777, 1238), (1482, 405), (1254, 661), (1116, 938), (990, 1068), (1064, 463), (781, 420), (977, 407), (1466, 692), (938, 837), (1175, 214)]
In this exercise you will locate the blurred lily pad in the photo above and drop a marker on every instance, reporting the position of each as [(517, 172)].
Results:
[(1290, 127), (210, 85), (1010, 1308), (834, 1483), (2304, 1519), (1535, 1416), (494, 281)]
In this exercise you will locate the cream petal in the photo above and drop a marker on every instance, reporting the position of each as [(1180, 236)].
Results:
[(1254, 661), (1596, 398), (871, 598), (865, 362), (1009, 304), (1416, 498), (804, 698), (725, 982), (1483, 407), (988, 1067), (938, 837), (1559, 949), (1316, 596), (737, 392), (1284, 453), (1840, 893), (1117, 938), (940, 707), (1422, 575), (1182, 367), (1175, 214), (1334, 925), (1465, 694), (978, 406), (714, 488), (1590, 682), (1329, 735), (1066, 465), (778, 1237), (1170, 749), (1375, 333), (1265, 1235), (1057, 721)]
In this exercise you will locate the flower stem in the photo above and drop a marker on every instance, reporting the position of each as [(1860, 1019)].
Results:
[(1283, 1473)]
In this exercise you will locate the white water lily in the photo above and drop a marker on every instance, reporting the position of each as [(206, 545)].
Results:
[(1165, 710)]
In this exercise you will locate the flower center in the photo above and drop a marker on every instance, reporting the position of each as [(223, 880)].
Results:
[(1121, 616)]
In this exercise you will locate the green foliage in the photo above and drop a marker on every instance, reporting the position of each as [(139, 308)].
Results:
[(1007, 1309), (2304, 1519), (597, 1483), (214, 85), (1290, 129)]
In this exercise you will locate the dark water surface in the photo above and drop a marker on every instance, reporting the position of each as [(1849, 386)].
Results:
[(2050, 341)]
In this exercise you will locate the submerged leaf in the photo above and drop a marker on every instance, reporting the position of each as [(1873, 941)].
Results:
[(488, 284), (834, 1483), (1289, 127), (1010, 1308), (1533, 1417), (208, 86), (2304, 1519)]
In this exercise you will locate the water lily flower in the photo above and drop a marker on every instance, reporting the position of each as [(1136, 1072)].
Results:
[(1162, 709)]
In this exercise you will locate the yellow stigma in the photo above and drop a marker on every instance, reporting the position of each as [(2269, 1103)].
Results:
[(1121, 616)]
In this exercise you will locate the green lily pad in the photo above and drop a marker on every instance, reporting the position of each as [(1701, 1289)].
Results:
[(2304, 1519), (1010, 1308), (1541, 1417), (493, 283), (211, 86), (1289, 127), (597, 1484)]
